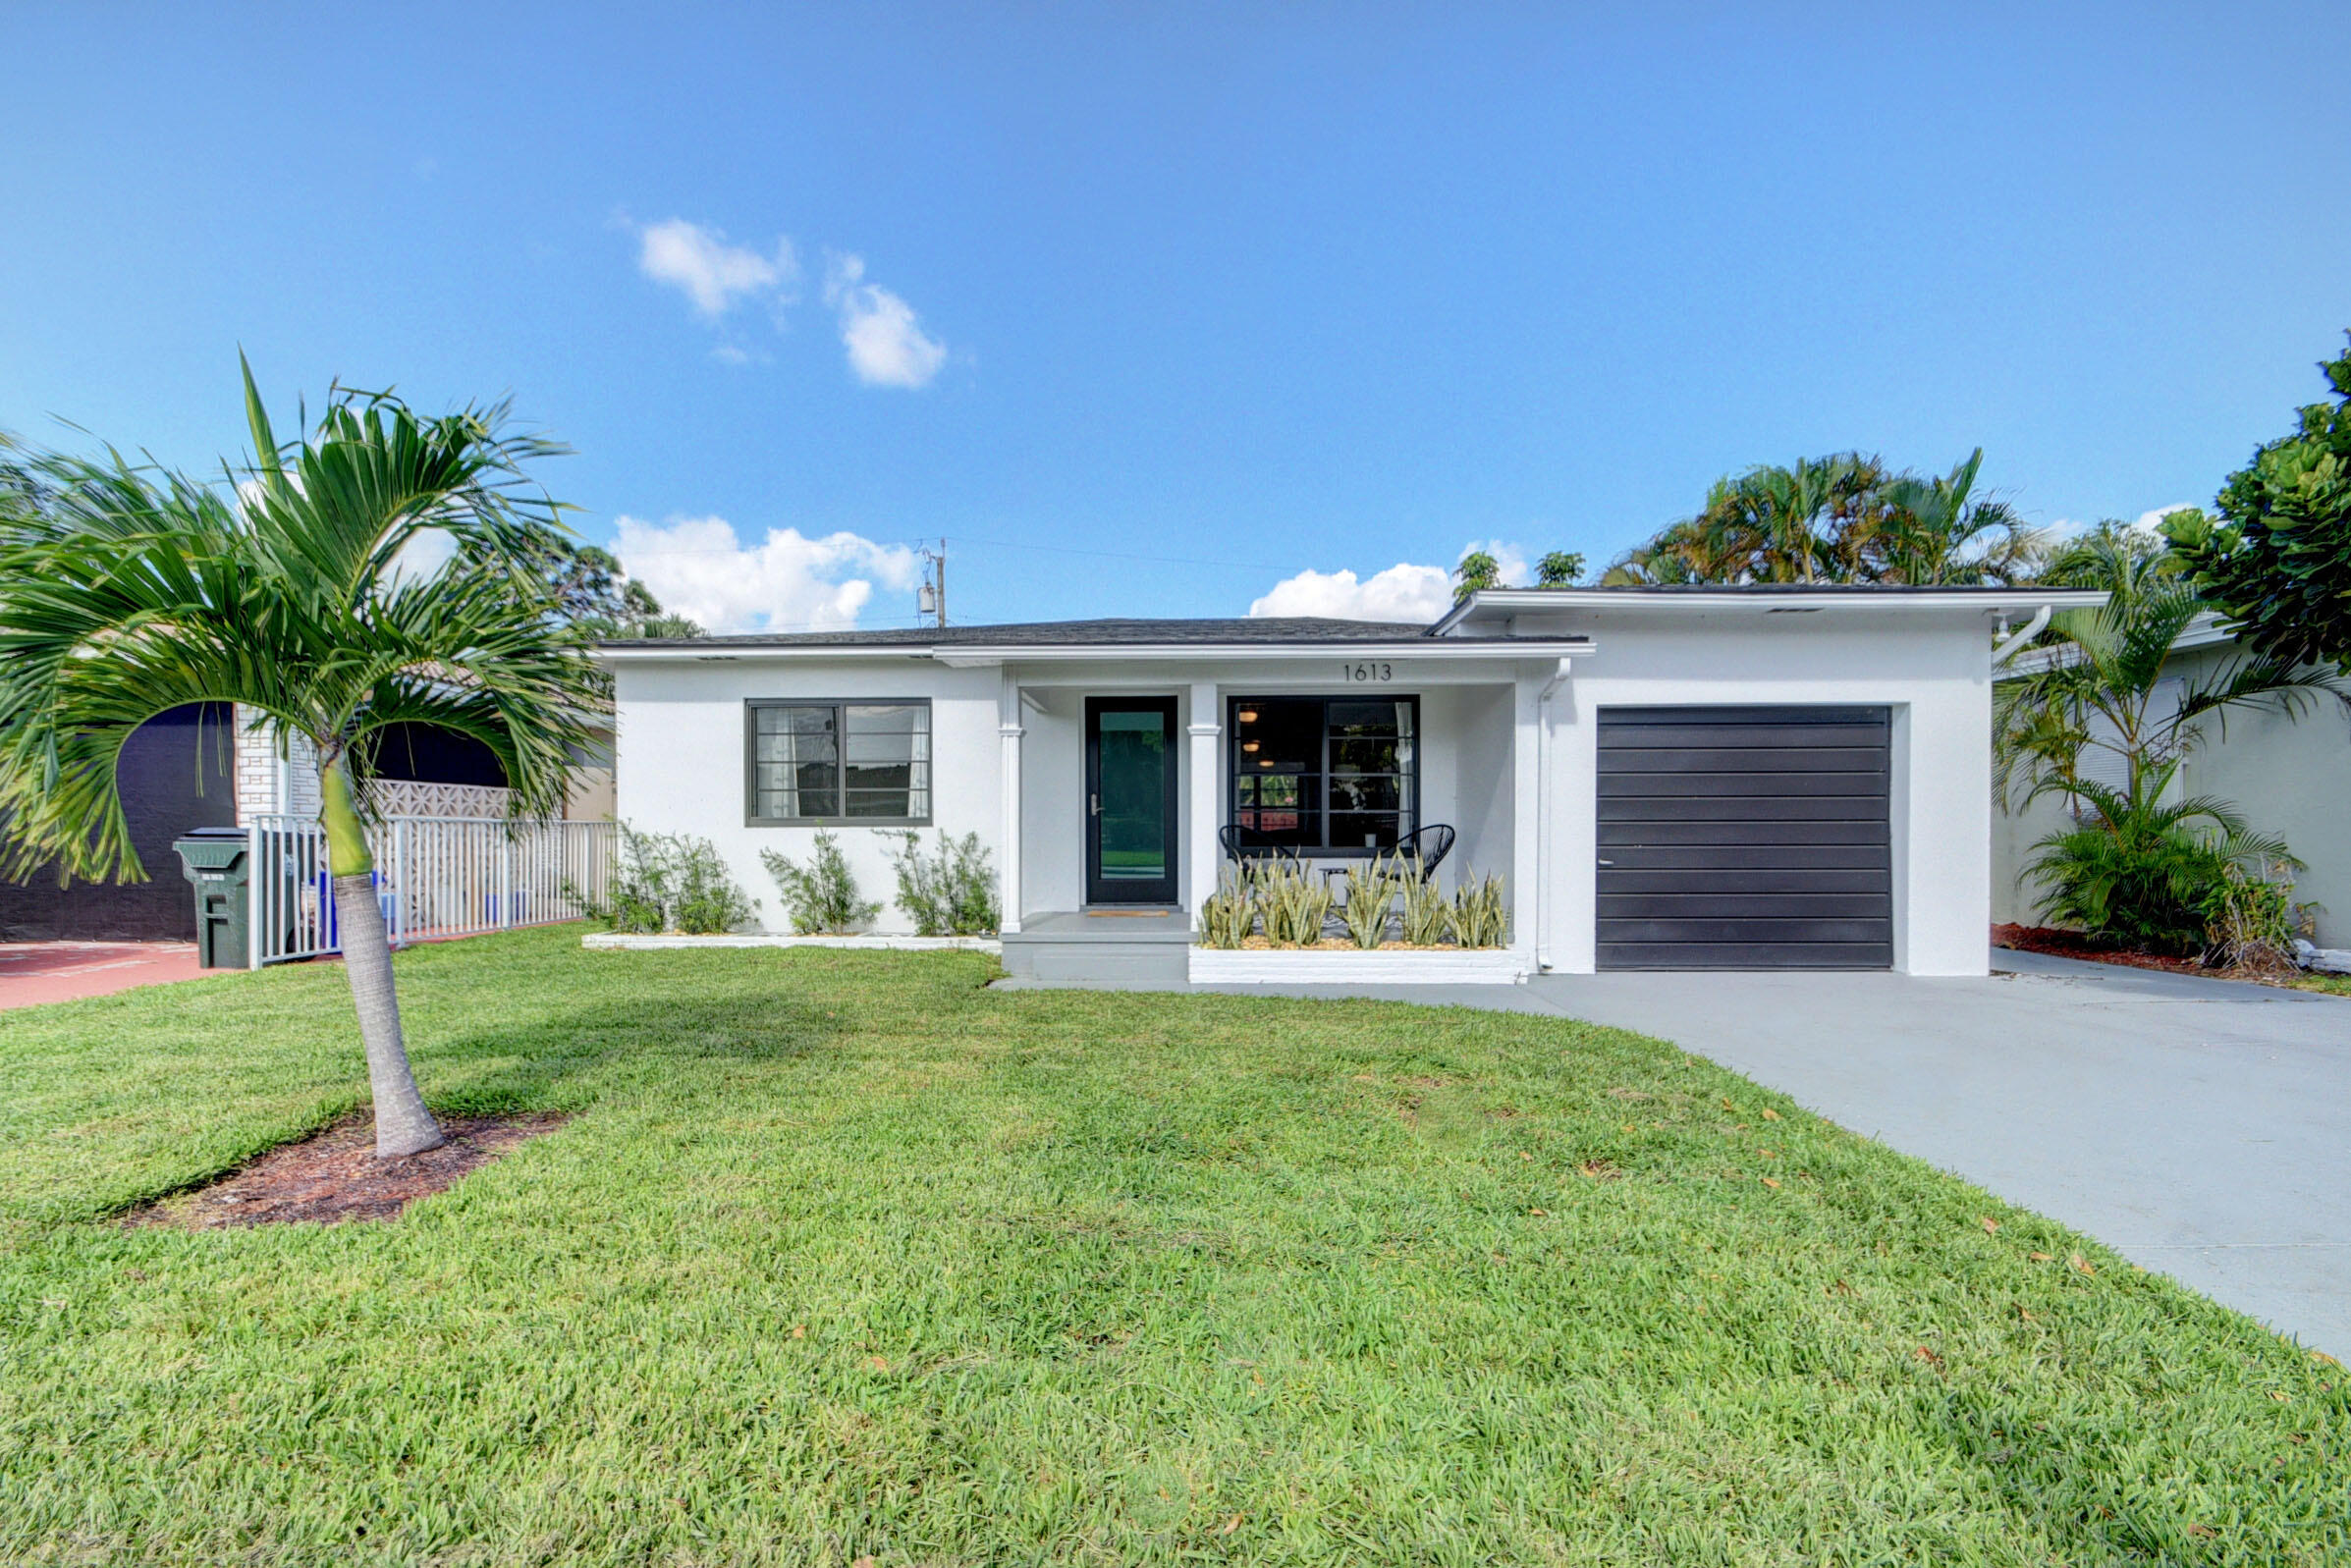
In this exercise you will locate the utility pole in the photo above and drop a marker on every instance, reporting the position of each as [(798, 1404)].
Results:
[(931, 598)]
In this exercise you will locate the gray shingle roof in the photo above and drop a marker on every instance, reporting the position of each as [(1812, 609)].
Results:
[(1064, 634)]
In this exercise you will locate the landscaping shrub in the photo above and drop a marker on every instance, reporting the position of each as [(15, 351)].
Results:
[(1428, 914), (1229, 915), (2161, 876), (1479, 917), (1294, 902), (669, 882), (822, 896), (950, 895), (1365, 902), (2250, 919)]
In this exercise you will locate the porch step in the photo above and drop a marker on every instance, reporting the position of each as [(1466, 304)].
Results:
[(1126, 951)]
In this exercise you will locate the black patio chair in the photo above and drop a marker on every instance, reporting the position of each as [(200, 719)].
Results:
[(1429, 846), (1234, 837)]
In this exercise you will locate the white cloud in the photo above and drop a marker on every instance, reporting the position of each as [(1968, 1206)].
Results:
[(788, 582), (886, 347), (713, 274), (1403, 592)]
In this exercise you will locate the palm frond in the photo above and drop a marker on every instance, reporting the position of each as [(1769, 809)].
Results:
[(139, 590)]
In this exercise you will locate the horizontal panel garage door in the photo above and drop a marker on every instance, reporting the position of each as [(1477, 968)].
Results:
[(1744, 838)]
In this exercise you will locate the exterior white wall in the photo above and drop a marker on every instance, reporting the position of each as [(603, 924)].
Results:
[(1052, 781), (2288, 777), (1935, 674), (680, 765), (1476, 764)]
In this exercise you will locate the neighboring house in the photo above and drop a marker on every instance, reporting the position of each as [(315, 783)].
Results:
[(2290, 777), (177, 773), (202, 766), (1666, 778), (419, 772)]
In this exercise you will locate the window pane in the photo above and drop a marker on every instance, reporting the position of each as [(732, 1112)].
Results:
[(1363, 756), (1279, 809), (867, 719), (1285, 733), (886, 767), (1366, 793), (1363, 830), (797, 758), (1366, 718)]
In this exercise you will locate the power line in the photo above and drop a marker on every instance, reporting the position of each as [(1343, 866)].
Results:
[(1005, 544)]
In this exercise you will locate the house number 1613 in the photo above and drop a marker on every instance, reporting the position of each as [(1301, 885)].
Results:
[(1372, 670)]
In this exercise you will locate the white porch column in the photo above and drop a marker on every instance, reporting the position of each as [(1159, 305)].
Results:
[(1008, 727), (1526, 818), (1202, 854)]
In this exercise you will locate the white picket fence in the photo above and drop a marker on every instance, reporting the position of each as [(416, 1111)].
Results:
[(434, 876)]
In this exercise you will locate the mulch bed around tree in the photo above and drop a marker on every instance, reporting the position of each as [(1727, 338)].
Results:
[(334, 1175), (2073, 944)]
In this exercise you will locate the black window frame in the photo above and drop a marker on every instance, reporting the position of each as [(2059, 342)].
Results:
[(840, 707), (1408, 822)]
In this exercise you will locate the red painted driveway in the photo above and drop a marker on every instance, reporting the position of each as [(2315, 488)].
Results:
[(33, 972)]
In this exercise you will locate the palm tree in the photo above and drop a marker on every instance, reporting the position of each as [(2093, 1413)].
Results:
[(1800, 524), (2139, 865), (286, 591), (1939, 530), (2094, 687), (1839, 519)]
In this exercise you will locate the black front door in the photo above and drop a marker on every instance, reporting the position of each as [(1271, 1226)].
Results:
[(1130, 800)]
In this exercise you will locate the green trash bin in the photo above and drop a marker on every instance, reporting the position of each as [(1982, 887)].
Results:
[(214, 859)]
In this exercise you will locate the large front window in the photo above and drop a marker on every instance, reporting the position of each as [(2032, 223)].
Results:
[(867, 762), (1324, 775)]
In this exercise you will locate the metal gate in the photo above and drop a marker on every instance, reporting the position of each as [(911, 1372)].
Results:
[(1745, 839), (434, 877)]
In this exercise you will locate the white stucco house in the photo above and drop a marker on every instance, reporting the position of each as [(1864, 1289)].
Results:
[(1667, 777)]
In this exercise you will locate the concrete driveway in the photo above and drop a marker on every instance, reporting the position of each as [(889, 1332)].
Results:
[(2199, 1127)]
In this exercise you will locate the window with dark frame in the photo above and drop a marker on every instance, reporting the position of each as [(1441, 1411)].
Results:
[(1325, 776), (864, 762)]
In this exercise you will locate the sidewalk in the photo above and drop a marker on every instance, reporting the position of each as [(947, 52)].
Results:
[(35, 972)]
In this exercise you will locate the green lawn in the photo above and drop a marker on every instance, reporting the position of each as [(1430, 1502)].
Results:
[(844, 1255)]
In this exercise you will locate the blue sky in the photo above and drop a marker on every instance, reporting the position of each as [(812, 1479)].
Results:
[(1249, 292)]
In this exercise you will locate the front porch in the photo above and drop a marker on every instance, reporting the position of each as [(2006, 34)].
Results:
[(1117, 782)]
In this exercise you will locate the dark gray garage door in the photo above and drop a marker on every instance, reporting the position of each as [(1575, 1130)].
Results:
[(1744, 838)]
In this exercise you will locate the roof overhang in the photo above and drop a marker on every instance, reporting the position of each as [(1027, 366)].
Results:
[(1493, 602), (967, 655), (1419, 649)]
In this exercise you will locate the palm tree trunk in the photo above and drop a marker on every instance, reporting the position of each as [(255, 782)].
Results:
[(403, 1125)]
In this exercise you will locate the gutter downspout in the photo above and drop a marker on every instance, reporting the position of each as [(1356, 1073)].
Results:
[(2007, 650)]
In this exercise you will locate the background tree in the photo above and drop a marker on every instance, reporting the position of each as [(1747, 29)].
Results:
[(2278, 567), (596, 594), (1560, 568), (1476, 571), (282, 589), (1842, 519), (1932, 531)]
